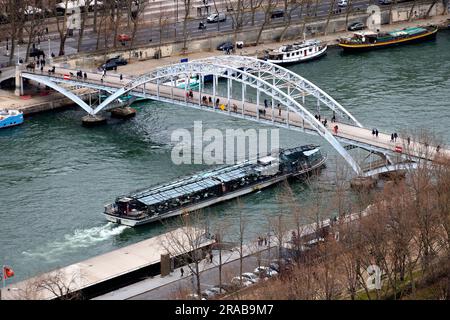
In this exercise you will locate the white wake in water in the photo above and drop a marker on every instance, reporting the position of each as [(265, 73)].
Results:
[(73, 242)]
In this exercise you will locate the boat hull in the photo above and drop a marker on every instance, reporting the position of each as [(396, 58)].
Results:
[(11, 121), (285, 62), (367, 47), (137, 222)]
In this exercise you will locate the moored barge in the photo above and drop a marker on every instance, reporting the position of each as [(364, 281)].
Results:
[(369, 40), (213, 186)]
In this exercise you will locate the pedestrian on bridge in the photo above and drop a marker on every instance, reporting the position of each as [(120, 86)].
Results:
[(376, 133), (121, 77), (392, 137), (336, 129), (395, 136), (279, 110), (182, 272), (85, 76), (373, 132)]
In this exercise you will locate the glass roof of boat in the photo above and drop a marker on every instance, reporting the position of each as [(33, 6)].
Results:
[(179, 191)]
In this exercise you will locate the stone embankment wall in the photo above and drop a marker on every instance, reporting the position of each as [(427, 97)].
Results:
[(312, 29)]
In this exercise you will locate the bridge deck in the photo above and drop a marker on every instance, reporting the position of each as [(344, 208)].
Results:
[(346, 133)]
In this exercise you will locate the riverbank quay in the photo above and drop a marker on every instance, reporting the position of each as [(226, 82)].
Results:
[(276, 247), (111, 270)]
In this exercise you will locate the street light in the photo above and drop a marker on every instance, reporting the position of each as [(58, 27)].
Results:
[(18, 54)]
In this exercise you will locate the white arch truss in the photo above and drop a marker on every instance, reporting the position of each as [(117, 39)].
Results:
[(293, 84), (247, 76), (47, 81)]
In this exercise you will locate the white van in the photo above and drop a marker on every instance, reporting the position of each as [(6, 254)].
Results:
[(216, 17), (342, 3)]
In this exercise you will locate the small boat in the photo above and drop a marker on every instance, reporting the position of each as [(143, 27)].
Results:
[(10, 118), (193, 83), (369, 40), (296, 52), (210, 187)]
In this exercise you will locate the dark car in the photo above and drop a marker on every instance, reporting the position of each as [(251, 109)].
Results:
[(109, 66), (225, 46), (36, 52), (356, 26), (277, 14), (119, 61)]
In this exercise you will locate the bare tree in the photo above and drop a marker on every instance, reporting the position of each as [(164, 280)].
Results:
[(267, 7), (84, 16), (187, 12), (186, 243), (136, 13), (293, 5)]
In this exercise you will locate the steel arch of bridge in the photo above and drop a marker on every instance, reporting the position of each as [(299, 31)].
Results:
[(48, 82), (295, 85), (247, 75)]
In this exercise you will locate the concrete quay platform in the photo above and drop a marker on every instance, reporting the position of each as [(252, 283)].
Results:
[(103, 272)]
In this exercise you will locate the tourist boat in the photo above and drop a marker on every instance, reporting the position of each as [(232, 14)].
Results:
[(368, 40), (297, 52), (213, 186), (9, 118)]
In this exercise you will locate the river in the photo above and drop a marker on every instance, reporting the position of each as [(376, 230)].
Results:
[(55, 175)]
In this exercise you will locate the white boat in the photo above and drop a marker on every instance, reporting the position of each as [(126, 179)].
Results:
[(180, 83), (296, 52)]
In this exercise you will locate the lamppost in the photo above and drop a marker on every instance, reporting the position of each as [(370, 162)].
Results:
[(18, 54)]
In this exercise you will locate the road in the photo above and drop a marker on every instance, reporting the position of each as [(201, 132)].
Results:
[(152, 31)]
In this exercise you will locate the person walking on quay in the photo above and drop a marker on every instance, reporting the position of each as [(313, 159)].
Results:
[(42, 68), (121, 77), (181, 272), (85, 76), (409, 140), (211, 256), (392, 137), (376, 133), (265, 241), (395, 136), (373, 132)]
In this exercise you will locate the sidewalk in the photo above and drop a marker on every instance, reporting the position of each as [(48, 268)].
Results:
[(158, 281), (136, 67)]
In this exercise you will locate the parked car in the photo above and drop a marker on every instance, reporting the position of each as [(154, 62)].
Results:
[(264, 271), (250, 276), (277, 13), (236, 281), (225, 46), (342, 3), (194, 296), (384, 1), (123, 37), (119, 61), (216, 17), (274, 266), (212, 292), (356, 26), (108, 66)]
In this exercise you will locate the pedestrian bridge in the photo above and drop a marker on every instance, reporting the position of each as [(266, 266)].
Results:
[(251, 89)]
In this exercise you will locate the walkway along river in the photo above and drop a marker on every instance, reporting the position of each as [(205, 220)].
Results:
[(56, 175)]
